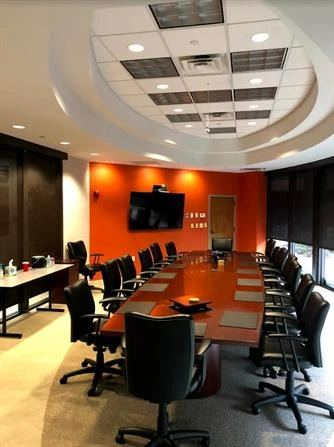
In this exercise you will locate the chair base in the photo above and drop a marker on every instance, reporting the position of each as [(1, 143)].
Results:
[(98, 370), (162, 436), (169, 438), (291, 396)]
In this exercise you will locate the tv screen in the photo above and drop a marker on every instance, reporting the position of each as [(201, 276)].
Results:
[(155, 210)]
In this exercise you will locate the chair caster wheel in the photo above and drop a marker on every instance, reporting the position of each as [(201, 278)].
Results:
[(331, 414), (119, 439), (205, 442), (63, 380), (84, 363), (92, 392), (302, 429), (306, 391), (255, 410)]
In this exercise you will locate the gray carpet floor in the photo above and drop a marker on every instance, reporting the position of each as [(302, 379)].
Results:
[(74, 419)]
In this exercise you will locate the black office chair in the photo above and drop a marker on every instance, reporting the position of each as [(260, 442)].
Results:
[(85, 327), (146, 261), (172, 251), (223, 244), (168, 369), (130, 278), (114, 294), (293, 352), (157, 255), (77, 250)]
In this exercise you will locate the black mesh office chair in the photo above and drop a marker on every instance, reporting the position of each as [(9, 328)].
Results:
[(168, 369), (85, 327), (77, 250), (130, 278), (293, 352)]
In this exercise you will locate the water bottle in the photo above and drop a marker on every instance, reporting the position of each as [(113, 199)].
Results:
[(48, 261)]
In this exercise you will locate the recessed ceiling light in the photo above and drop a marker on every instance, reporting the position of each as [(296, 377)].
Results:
[(251, 123), (169, 141), (94, 154), (18, 126), (260, 37), (188, 125), (288, 154), (136, 47), (177, 110), (255, 81), (253, 106), (158, 157), (162, 86), (65, 143), (274, 139)]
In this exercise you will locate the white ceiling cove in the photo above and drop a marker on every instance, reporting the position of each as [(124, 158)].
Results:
[(68, 75)]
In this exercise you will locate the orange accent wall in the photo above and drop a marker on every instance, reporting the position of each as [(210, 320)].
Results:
[(109, 209)]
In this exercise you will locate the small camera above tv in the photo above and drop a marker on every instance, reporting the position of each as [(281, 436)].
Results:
[(160, 188), (152, 210)]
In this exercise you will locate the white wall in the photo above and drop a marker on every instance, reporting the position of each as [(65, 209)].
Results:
[(75, 201)]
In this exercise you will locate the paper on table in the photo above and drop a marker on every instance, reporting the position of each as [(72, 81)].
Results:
[(248, 271), (245, 295), (249, 282), (177, 266), (153, 287), (200, 329), (143, 307), (165, 275), (246, 320)]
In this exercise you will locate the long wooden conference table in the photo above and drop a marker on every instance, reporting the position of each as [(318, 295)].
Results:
[(233, 315)]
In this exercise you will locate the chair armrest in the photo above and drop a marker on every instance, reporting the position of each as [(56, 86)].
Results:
[(134, 281), (96, 257), (113, 299), (278, 292), (201, 350), (281, 315), (276, 280), (288, 336)]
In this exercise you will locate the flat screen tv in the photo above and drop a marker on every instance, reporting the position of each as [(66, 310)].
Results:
[(156, 210)]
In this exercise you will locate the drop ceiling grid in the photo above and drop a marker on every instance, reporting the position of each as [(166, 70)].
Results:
[(174, 42)]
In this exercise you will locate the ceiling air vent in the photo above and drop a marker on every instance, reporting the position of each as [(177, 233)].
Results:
[(252, 169), (204, 64)]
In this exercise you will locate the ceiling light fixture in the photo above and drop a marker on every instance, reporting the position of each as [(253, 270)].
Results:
[(158, 157), (251, 123), (188, 125), (95, 154), (255, 81), (169, 141), (177, 110), (253, 106), (274, 139), (260, 37), (162, 86), (18, 126), (65, 143), (136, 47)]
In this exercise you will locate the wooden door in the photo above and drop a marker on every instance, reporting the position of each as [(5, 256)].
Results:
[(222, 216)]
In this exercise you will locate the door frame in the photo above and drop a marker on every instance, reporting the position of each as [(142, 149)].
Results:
[(234, 216)]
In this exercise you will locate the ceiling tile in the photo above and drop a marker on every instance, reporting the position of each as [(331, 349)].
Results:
[(114, 71), (215, 123), (138, 100), (240, 36), (215, 107), (260, 123), (293, 92), (262, 105), (163, 99), (148, 110), (211, 39), (196, 127), (211, 96), (222, 130), (152, 43), (151, 68), (186, 108), (126, 88), (286, 104), (100, 51), (300, 76), (297, 59), (187, 13), (212, 82), (258, 60), (254, 94), (123, 20), (183, 117), (237, 12), (175, 84), (252, 114), (269, 79)]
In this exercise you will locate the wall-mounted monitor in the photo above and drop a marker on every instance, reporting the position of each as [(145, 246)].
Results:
[(156, 210)]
